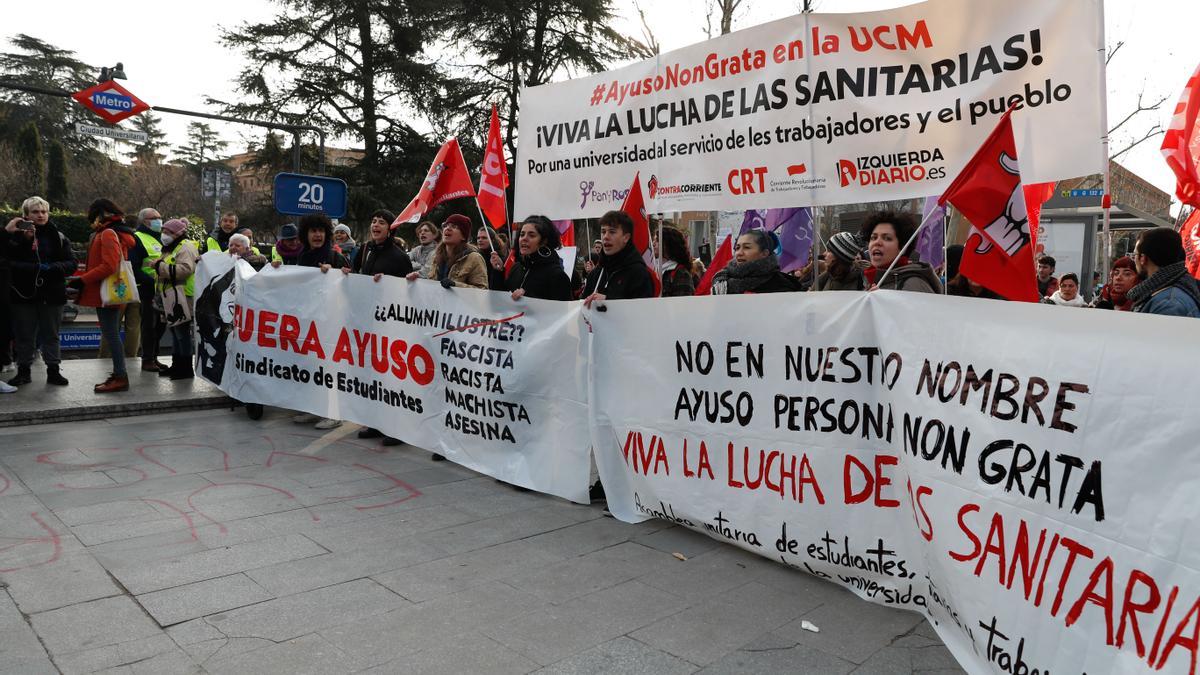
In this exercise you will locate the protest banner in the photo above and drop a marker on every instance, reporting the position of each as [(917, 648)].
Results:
[(1029, 489), (488, 382), (822, 109)]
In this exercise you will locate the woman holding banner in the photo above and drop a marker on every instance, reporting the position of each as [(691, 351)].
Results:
[(889, 237), (755, 268), (539, 270)]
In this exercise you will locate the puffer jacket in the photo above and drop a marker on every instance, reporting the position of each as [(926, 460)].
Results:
[(468, 270)]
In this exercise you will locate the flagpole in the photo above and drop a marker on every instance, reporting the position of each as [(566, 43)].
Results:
[(816, 247), (660, 255), (1106, 200), (905, 247), (945, 251)]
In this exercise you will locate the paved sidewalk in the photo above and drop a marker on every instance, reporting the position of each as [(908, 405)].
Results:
[(41, 403), (205, 542)]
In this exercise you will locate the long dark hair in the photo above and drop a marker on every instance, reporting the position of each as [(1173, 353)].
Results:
[(546, 230), (903, 223), (674, 247)]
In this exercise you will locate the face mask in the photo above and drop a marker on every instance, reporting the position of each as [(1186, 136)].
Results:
[(155, 224), (167, 239)]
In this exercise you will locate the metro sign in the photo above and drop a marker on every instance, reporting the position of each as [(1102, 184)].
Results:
[(110, 101)]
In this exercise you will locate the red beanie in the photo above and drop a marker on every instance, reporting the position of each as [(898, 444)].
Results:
[(1124, 261), (460, 221)]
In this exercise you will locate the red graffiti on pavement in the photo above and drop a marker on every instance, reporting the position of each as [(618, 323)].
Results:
[(51, 538)]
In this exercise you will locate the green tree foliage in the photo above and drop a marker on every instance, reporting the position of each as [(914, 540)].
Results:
[(41, 64), (31, 159), (56, 174), (203, 145), (149, 151), (504, 45)]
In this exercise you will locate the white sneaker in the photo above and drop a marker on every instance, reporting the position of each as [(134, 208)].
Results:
[(328, 424), (6, 388), (305, 418)]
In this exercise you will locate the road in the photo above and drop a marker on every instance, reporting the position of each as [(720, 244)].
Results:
[(205, 542)]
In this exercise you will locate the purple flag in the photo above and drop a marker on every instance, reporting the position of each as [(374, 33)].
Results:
[(794, 227), (931, 243)]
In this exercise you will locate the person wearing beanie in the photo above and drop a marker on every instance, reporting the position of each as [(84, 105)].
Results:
[(343, 239), (175, 272), (109, 247), (1167, 289), (288, 247), (841, 274), (456, 262), (1121, 280)]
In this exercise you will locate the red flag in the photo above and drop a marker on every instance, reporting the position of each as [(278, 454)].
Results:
[(720, 260), (1190, 233), (635, 207), (447, 179), (1181, 144), (566, 232), (493, 177), (999, 251)]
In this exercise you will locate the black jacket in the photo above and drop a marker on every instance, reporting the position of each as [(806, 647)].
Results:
[(623, 276), (541, 276), (386, 258), (326, 255), (39, 273), (137, 256)]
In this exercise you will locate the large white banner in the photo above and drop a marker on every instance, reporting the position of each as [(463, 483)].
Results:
[(492, 384), (1022, 474), (822, 109)]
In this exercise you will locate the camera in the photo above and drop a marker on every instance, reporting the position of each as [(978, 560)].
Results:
[(25, 225)]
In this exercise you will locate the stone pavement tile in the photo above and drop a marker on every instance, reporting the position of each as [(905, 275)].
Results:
[(469, 653), (128, 653), (492, 531), (772, 653), (131, 527), (555, 632), (621, 655), (20, 650), (91, 625), (59, 498), (589, 573), (212, 563), (307, 654), (456, 573), (383, 638), (204, 642), (678, 540), (296, 615), (592, 535), (506, 502), (178, 604), (436, 475), (852, 630), (170, 663), (109, 511), (70, 580), (910, 654), (370, 558), (700, 577), (392, 527), (721, 624)]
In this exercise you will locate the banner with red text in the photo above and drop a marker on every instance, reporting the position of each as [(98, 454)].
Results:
[(493, 384), (822, 109), (1023, 475)]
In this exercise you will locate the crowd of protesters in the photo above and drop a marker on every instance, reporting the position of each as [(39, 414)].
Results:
[(38, 274)]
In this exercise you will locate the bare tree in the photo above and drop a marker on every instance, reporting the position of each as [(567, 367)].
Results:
[(724, 9), (648, 37)]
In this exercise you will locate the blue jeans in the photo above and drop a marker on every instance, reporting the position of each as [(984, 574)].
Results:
[(181, 340), (110, 328)]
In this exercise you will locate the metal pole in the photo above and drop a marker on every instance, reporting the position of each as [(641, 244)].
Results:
[(816, 247), (1107, 198), (905, 247)]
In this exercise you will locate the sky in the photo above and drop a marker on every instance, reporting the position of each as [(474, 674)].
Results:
[(173, 57)]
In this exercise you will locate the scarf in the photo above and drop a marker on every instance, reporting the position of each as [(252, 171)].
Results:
[(1057, 299), (289, 248), (745, 277), (871, 272), (1170, 275)]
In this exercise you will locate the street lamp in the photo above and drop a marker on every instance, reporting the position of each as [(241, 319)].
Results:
[(117, 72)]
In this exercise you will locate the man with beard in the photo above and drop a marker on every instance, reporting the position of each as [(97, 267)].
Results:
[(1168, 289), (381, 256)]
